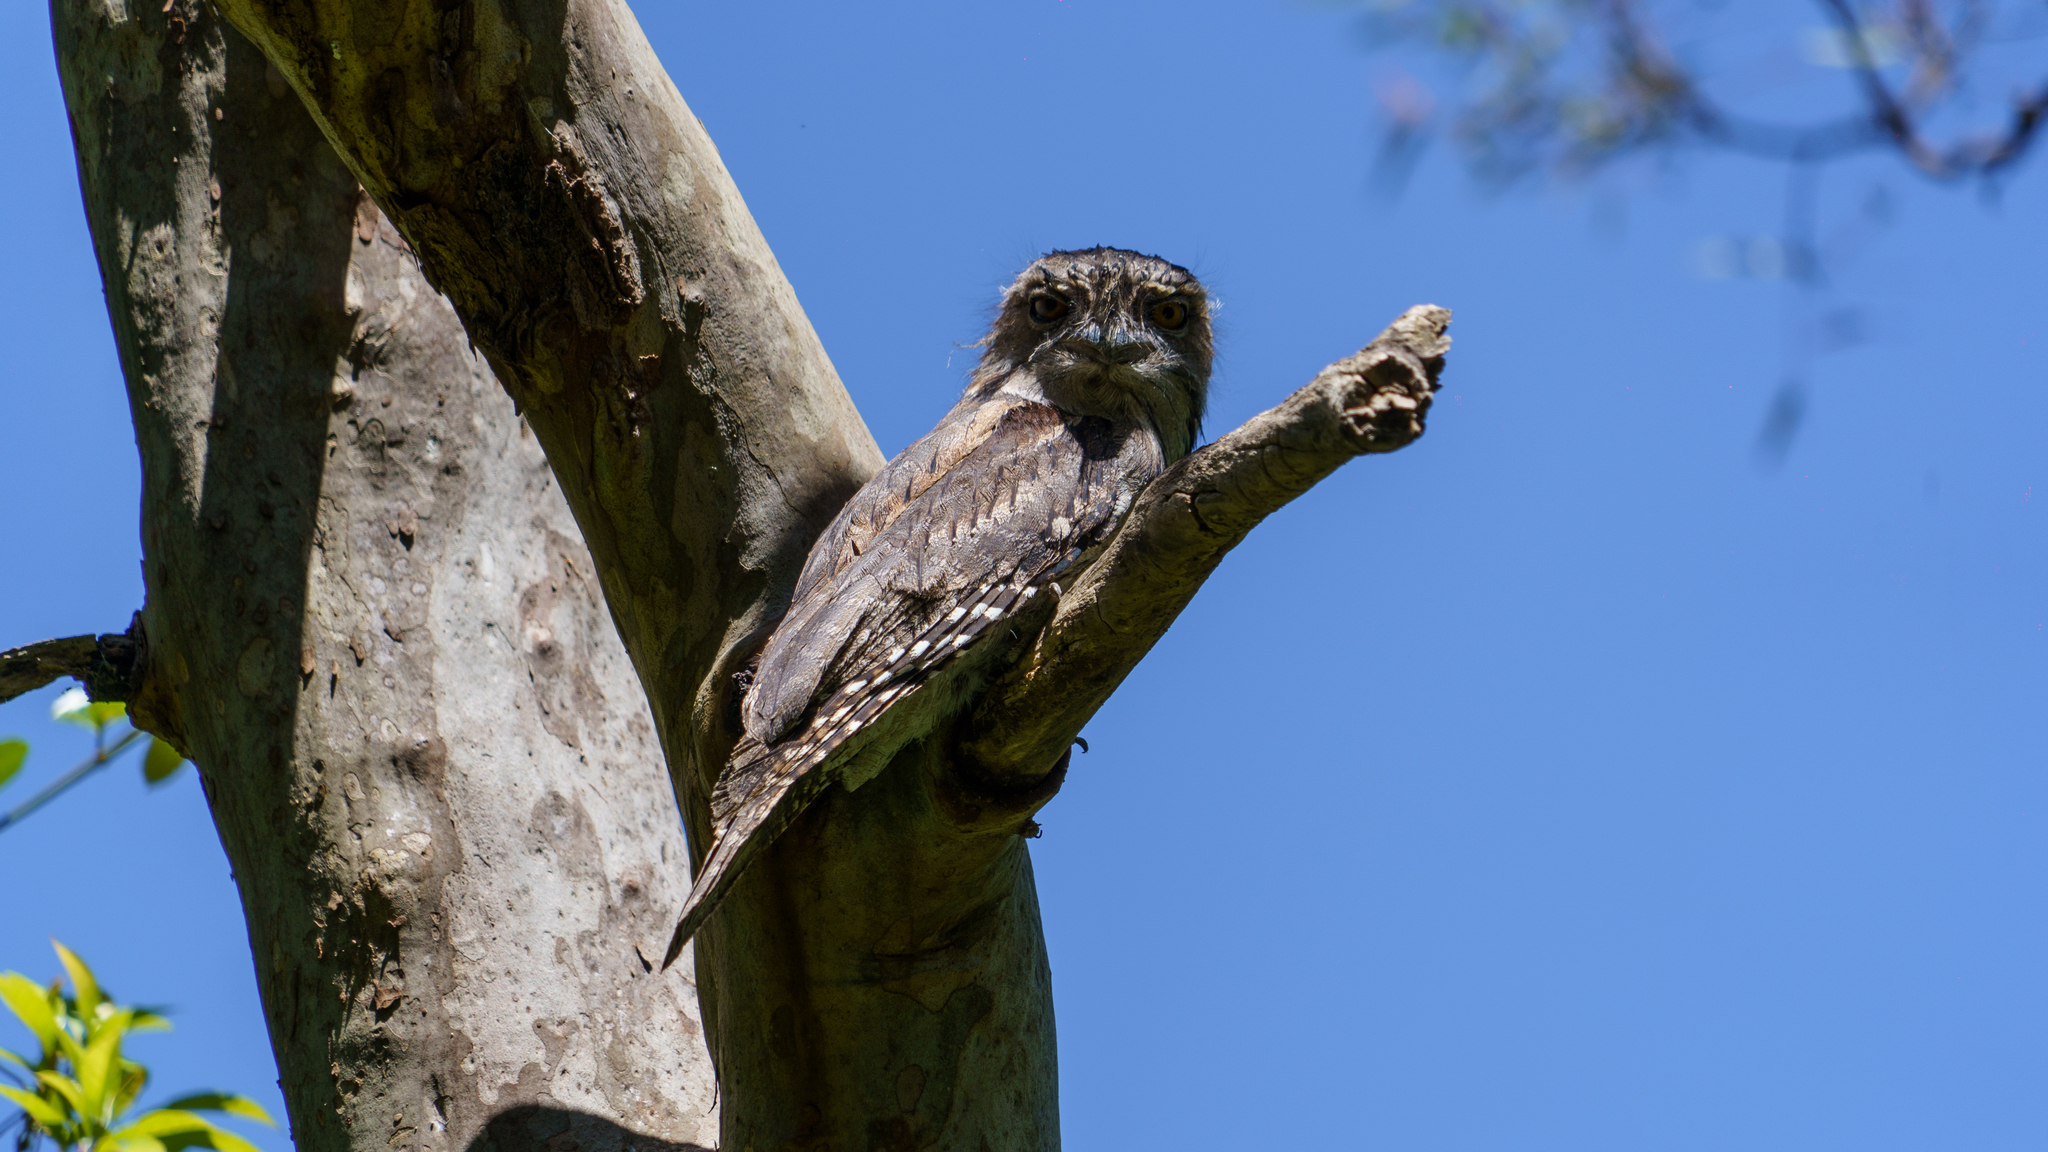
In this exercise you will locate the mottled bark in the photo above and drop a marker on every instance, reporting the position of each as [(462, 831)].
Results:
[(372, 626)]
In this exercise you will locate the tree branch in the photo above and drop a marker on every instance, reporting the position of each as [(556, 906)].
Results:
[(1180, 529), (31, 666), (1889, 115), (98, 760), (1885, 110), (1544, 111), (102, 663)]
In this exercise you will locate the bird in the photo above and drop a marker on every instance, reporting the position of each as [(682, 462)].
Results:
[(1092, 381)]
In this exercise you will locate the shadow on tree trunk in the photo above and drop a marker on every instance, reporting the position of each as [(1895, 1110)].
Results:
[(540, 1128)]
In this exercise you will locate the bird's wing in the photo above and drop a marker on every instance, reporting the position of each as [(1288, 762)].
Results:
[(791, 673), (960, 531)]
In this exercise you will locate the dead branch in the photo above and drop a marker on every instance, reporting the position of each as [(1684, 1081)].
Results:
[(102, 663), (31, 666)]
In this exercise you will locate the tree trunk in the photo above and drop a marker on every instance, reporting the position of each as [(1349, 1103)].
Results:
[(878, 979), (373, 627)]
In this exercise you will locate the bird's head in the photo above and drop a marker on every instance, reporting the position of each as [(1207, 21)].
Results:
[(1105, 332)]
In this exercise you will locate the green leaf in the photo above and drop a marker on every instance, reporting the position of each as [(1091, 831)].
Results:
[(70, 1047), (6, 1055), (164, 1122), (12, 754), (75, 707), (183, 1140), (94, 1070), (44, 1112), (28, 1000), (147, 1021), (133, 1078), (222, 1140), (89, 994), (133, 1143), (63, 1086), (161, 761), (222, 1102)]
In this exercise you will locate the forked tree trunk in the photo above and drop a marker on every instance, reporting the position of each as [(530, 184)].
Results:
[(878, 979), (374, 628)]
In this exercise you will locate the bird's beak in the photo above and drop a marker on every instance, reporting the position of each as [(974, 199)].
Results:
[(1122, 348), (1115, 346)]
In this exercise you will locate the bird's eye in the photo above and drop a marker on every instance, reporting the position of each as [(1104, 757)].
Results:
[(1046, 308), (1170, 314)]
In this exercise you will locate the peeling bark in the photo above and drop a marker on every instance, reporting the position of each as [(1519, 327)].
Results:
[(372, 626)]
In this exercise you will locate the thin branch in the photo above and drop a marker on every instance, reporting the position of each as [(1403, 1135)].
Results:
[(2001, 152), (1180, 529), (1979, 156), (1537, 116), (100, 758), (1886, 111)]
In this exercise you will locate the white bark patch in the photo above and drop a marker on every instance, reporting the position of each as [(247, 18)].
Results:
[(679, 183)]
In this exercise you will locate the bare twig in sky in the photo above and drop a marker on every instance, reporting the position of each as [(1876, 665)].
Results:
[(1571, 85)]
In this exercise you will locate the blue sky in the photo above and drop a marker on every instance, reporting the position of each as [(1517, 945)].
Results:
[(1574, 779)]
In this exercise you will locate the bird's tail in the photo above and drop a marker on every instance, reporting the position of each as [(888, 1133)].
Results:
[(779, 796), (763, 790), (713, 879)]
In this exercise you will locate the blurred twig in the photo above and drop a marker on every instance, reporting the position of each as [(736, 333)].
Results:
[(100, 758), (1571, 85)]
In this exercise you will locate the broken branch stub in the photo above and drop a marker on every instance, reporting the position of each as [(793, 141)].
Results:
[(1180, 529), (104, 664), (31, 666)]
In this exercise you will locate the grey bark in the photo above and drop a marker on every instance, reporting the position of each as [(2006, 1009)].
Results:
[(373, 627), (878, 980)]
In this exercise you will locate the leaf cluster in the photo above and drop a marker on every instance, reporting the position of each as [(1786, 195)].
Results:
[(79, 1091)]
